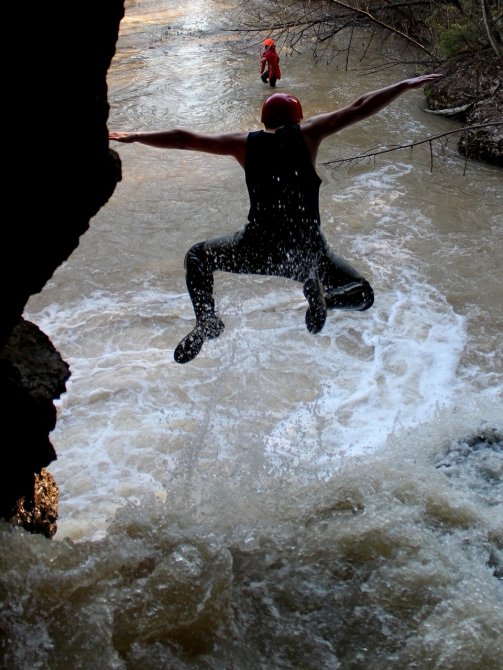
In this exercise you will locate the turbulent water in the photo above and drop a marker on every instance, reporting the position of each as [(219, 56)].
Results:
[(285, 500)]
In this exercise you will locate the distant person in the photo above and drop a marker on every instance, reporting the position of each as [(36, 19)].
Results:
[(283, 235), (269, 60)]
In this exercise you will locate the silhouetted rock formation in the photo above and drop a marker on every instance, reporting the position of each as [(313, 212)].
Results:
[(60, 171), (32, 374)]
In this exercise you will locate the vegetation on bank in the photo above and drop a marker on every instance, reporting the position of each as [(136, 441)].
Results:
[(461, 38), (432, 32)]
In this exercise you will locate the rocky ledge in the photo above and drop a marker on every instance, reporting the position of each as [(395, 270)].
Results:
[(37, 511), (474, 96), (32, 375)]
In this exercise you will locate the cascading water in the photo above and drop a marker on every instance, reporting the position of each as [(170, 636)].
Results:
[(285, 500)]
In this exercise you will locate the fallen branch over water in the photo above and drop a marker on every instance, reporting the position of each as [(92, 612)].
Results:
[(410, 145), (386, 26)]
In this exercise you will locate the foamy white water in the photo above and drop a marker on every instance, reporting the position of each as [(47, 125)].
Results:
[(267, 391)]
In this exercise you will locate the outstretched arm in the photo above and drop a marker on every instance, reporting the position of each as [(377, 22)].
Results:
[(318, 127), (227, 144)]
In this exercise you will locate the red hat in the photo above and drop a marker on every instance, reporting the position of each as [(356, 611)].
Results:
[(269, 42), (281, 109)]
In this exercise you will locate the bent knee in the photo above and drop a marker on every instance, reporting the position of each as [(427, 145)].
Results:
[(194, 255)]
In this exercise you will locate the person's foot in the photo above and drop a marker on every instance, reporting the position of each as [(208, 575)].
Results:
[(207, 329), (317, 312)]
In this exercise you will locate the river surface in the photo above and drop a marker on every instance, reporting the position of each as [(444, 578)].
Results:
[(285, 500)]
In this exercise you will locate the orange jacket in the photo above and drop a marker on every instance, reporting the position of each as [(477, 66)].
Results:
[(272, 59)]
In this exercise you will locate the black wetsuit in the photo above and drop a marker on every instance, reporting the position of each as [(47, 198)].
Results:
[(283, 235)]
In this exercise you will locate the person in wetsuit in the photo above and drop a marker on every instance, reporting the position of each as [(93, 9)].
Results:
[(270, 60), (283, 235)]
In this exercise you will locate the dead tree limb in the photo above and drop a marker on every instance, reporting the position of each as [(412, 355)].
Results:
[(369, 154), (372, 18), (490, 35)]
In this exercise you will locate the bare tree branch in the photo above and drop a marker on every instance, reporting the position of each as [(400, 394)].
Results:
[(490, 35), (431, 32), (382, 25), (369, 154)]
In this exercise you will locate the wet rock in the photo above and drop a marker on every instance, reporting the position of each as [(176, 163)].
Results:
[(41, 369), (32, 375), (37, 511), (495, 562), (475, 462), (473, 95), (484, 144)]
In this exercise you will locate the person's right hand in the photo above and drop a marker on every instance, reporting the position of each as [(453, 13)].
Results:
[(126, 138)]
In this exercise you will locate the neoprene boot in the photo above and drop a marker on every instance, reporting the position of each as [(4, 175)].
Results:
[(357, 295), (208, 328), (317, 311)]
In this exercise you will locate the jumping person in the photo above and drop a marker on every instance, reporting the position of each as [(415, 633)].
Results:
[(283, 235), (269, 59)]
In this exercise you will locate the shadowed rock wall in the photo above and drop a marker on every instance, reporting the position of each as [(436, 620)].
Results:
[(32, 374), (60, 171)]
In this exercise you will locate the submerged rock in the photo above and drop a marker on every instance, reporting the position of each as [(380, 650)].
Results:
[(476, 462)]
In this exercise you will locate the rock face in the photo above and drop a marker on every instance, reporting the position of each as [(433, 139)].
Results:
[(60, 169), (59, 172), (32, 374), (475, 96), (484, 144), (38, 512)]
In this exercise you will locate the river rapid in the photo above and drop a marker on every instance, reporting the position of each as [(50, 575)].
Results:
[(285, 500)]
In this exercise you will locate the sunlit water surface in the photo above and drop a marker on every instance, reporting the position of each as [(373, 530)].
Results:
[(285, 500)]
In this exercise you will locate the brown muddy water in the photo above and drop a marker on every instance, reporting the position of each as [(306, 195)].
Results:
[(285, 500)]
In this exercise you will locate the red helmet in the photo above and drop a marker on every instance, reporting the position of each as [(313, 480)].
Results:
[(269, 42), (281, 109)]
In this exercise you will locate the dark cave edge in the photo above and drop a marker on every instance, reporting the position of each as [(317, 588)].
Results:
[(60, 172)]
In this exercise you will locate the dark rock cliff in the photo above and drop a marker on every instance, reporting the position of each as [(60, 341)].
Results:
[(59, 172), (32, 374)]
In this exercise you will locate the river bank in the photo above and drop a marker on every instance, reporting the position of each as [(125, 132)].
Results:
[(474, 96)]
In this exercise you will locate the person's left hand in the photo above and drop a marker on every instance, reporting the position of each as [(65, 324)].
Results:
[(126, 138), (417, 82)]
